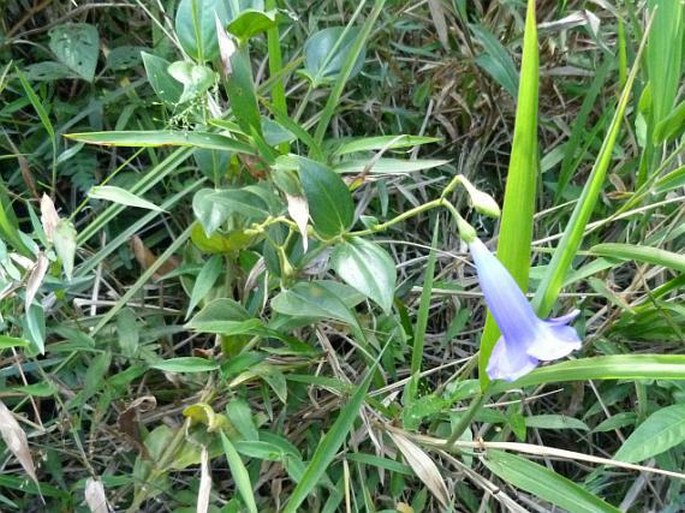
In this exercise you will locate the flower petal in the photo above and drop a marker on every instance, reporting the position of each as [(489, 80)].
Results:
[(509, 362), (553, 341), (510, 308), (565, 319)]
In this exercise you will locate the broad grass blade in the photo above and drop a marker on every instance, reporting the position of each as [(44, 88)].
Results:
[(516, 230)]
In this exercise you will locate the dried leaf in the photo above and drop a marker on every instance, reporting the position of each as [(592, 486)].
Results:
[(48, 216), (129, 424), (16, 441), (95, 496), (205, 482), (423, 467), (298, 208), (226, 46), (146, 258), (35, 279), (438, 16)]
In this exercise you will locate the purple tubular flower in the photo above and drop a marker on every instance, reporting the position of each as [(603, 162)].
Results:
[(526, 339)]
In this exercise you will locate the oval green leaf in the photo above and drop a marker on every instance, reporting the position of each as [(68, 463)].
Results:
[(661, 431), (325, 52), (368, 268), (313, 300), (196, 27), (77, 46), (330, 202)]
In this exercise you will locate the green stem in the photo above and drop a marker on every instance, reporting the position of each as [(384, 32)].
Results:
[(401, 217), (467, 418)]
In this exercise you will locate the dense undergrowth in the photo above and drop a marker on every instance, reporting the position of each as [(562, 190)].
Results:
[(232, 274)]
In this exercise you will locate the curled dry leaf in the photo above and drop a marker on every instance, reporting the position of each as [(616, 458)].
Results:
[(298, 208), (95, 496), (16, 441), (423, 467), (226, 46), (48, 217), (35, 279), (145, 257), (205, 482)]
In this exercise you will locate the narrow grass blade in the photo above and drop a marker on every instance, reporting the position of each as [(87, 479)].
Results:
[(422, 319), (156, 138), (239, 473), (330, 444), (644, 254), (573, 145), (563, 256), (544, 483), (516, 230), (621, 366)]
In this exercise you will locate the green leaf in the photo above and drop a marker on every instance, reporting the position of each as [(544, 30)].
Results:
[(618, 421), (566, 250), (242, 93), (670, 181), (661, 431), (64, 240), (196, 78), (325, 52), (167, 89), (240, 475), (330, 202), (516, 229), (544, 483), (33, 325), (186, 364), (6, 342), (121, 196), (49, 71), (313, 299), (196, 28), (624, 366), (224, 316), (388, 166), (644, 254), (205, 281), (496, 61), (128, 332), (212, 208), (155, 138), (383, 142), (95, 375), (672, 126), (251, 22), (240, 415), (329, 446), (77, 46), (555, 422), (368, 268)]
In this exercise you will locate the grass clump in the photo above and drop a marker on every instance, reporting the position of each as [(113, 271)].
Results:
[(234, 266)]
